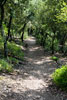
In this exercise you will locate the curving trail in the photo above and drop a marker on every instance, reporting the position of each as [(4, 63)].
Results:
[(33, 80)]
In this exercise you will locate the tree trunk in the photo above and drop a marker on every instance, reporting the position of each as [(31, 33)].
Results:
[(22, 36), (2, 3), (5, 49), (62, 42), (2, 31), (23, 31), (9, 27), (2, 18), (7, 37), (42, 39), (52, 47)]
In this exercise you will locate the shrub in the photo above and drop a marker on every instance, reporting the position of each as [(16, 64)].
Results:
[(38, 37), (1, 44), (15, 50), (60, 77), (55, 58), (12, 60), (5, 66)]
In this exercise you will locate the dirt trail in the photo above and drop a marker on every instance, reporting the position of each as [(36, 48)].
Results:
[(33, 81)]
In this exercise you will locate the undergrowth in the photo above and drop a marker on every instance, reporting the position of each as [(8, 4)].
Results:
[(15, 51), (60, 77), (55, 58), (13, 60), (5, 66), (15, 54)]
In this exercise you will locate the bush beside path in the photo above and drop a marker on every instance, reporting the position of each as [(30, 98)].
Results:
[(32, 78)]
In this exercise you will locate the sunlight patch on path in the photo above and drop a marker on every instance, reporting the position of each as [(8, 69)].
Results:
[(30, 41), (34, 84), (34, 78), (20, 84)]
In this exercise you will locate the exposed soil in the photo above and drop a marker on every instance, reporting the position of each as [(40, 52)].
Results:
[(32, 78)]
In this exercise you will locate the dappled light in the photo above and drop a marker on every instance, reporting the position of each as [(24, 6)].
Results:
[(33, 79), (33, 49)]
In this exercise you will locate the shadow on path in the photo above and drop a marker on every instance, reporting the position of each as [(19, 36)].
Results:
[(33, 82)]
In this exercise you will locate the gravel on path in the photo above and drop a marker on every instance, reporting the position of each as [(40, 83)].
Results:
[(33, 80)]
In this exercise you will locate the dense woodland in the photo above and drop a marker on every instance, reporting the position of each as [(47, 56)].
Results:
[(46, 20)]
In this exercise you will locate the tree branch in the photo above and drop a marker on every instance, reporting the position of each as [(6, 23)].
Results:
[(3, 3)]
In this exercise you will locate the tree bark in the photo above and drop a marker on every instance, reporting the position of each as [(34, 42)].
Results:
[(52, 47), (7, 37), (9, 27), (5, 48), (23, 32), (22, 37), (1, 22), (62, 43), (2, 3)]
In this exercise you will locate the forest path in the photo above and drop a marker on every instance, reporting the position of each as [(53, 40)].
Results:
[(33, 81)]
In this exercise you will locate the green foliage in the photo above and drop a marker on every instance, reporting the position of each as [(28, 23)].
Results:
[(60, 77), (55, 58), (15, 50), (1, 42), (65, 49), (1, 46), (48, 43), (5, 66), (62, 16), (53, 23), (25, 35), (56, 45), (39, 37), (46, 17), (13, 60)]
